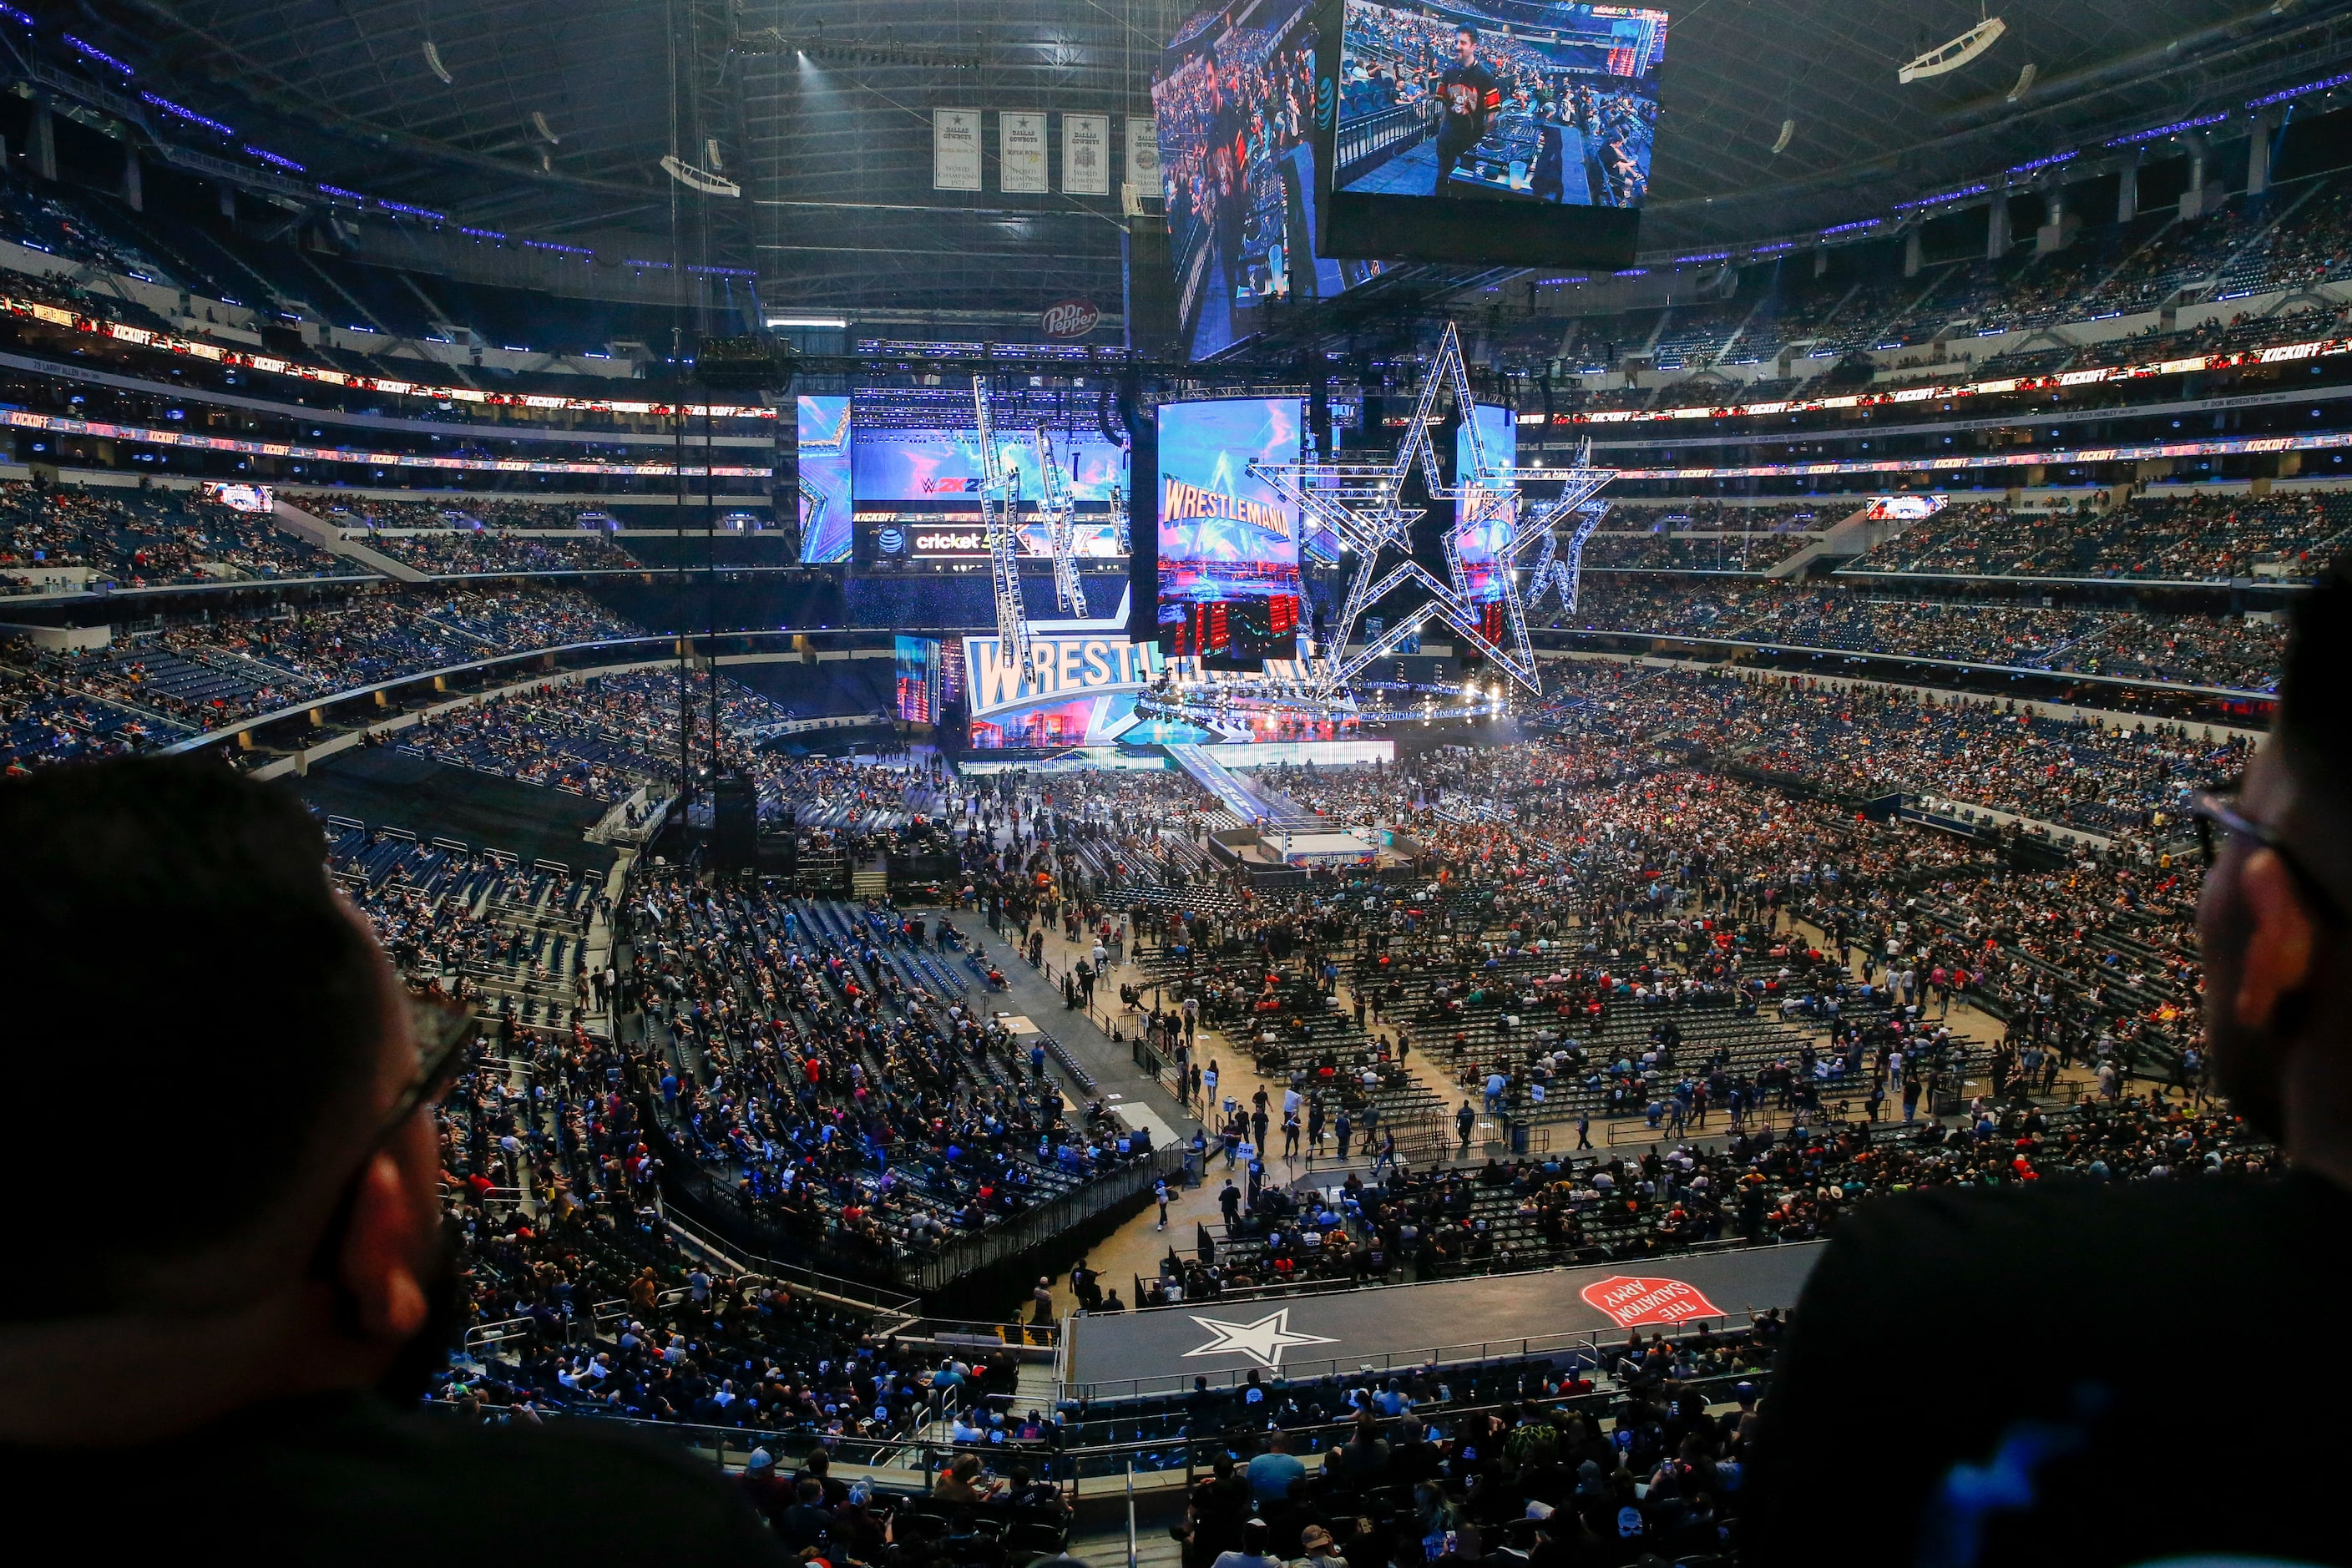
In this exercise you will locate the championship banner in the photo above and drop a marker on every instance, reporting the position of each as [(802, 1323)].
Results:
[(1143, 157), (955, 150), (1085, 154), (1021, 147), (1059, 669)]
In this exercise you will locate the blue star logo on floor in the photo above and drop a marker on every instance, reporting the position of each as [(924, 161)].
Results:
[(1263, 1341)]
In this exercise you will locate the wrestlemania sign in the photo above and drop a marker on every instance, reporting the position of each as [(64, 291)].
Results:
[(1058, 669)]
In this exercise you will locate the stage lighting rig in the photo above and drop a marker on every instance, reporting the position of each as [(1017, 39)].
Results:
[(817, 46), (1951, 57), (695, 179), (1000, 508), (755, 363)]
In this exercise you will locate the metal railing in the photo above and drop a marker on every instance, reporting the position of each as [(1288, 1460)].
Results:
[(1584, 1343), (918, 1457), (1363, 140), (873, 1297), (969, 1255)]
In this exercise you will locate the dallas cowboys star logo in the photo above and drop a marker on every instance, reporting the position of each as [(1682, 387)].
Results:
[(1357, 507), (1263, 1341)]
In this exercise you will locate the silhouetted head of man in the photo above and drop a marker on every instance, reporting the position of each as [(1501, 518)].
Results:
[(221, 1097), (2272, 918)]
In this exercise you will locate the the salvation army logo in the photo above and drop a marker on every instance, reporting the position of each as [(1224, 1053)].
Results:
[(1632, 1302), (1070, 319)]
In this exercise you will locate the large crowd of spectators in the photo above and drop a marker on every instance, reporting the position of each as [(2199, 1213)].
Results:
[(199, 673), (580, 1300), (2100, 777), (2238, 652), (2199, 537), (475, 534), (842, 1104), (57, 538)]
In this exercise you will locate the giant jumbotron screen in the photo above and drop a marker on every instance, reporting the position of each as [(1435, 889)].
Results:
[(1234, 101), (1229, 584), (1517, 130)]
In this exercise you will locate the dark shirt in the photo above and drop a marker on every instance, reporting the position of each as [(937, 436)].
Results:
[(805, 1524), (1218, 1507), (345, 1476), (1469, 96), (2048, 1341)]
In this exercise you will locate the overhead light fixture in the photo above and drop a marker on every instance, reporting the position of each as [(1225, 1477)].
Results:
[(2024, 81), (885, 51), (838, 324), (1787, 134), (433, 63), (1951, 57), (695, 179), (539, 124)]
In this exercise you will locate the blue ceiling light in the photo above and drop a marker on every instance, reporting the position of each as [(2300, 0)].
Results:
[(1965, 191), (2322, 85), (190, 115), (2174, 129), (2027, 168), (92, 51)]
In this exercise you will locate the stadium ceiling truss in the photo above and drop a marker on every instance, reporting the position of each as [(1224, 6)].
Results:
[(1782, 116), (1357, 510), (1000, 507)]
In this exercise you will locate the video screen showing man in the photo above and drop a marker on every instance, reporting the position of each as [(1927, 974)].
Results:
[(1468, 97), (1514, 101)]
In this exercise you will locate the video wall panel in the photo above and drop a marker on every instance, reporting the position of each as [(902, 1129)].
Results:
[(823, 464), (941, 468), (1228, 582), (1517, 131), (918, 493), (1484, 516), (1234, 105)]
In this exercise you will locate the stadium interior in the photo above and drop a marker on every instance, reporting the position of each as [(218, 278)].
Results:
[(1016, 988)]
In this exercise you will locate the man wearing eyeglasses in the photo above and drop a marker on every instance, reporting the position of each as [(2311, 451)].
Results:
[(231, 1272), (2049, 1373)]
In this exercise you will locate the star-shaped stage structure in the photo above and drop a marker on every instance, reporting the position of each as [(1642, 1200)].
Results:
[(1356, 508), (1263, 1341)]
